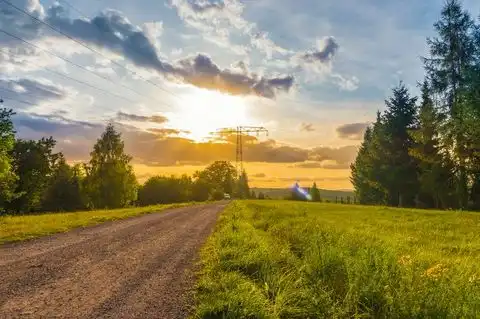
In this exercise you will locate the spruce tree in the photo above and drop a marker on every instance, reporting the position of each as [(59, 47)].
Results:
[(315, 193), (452, 56), (434, 170)]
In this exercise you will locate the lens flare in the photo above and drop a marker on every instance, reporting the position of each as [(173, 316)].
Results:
[(302, 192)]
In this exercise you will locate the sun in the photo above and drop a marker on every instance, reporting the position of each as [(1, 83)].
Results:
[(203, 112)]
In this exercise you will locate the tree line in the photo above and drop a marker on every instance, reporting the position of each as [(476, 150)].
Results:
[(425, 152), (34, 178)]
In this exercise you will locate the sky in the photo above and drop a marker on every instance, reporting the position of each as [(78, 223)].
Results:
[(171, 73)]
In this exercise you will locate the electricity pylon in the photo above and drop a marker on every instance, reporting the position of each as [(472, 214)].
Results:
[(240, 131)]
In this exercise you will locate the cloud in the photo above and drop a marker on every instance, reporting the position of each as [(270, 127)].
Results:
[(76, 139), (218, 19), (353, 131), (327, 164), (342, 155), (345, 83), (307, 127), (201, 71), (159, 119), (318, 61), (326, 50), (113, 31), (30, 91), (259, 175), (166, 131)]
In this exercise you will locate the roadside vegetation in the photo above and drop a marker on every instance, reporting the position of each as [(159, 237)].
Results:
[(34, 178), (22, 227), (279, 259)]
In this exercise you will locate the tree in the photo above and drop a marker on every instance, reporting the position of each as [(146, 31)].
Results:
[(7, 141), (400, 168), (220, 174), (315, 193), (34, 163), (165, 190), (201, 190), (261, 195), (242, 189), (110, 181), (452, 57), (64, 191), (368, 170), (434, 169), (253, 195)]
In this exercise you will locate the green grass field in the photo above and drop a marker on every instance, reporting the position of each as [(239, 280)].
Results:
[(16, 228), (327, 195), (279, 259)]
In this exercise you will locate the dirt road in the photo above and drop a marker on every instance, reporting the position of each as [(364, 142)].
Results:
[(135, 268)]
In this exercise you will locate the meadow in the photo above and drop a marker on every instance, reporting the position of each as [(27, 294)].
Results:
[(280, 259), (23, 227)]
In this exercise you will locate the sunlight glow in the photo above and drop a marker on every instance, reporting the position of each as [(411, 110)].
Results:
[(203, 112)]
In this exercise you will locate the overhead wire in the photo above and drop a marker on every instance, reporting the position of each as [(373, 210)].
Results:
[(71, 78), (88, 47)]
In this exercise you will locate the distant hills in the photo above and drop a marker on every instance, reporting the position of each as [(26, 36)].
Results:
[(281, 193)]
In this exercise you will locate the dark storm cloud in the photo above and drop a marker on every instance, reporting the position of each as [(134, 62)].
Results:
[(159, 119), (29, 90), (323, 54), (353, 131), (307, 127), (113, 31)]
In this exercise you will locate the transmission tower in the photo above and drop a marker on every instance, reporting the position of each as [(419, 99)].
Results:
[(239, 132)]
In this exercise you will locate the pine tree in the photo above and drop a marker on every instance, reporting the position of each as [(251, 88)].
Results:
[(315, 193), (110, 181), (452, 55), (399, 176), (435, 178), (242, 189)]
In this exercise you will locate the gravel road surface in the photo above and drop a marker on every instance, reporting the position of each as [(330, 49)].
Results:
[(135, 268)]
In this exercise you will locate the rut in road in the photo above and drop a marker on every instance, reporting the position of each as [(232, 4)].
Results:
[(135, 268)]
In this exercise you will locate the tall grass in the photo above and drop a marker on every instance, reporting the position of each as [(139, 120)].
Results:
[(305, 260), (22, 227)]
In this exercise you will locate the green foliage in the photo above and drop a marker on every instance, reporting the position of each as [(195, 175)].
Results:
[(315, 193), (163, 190), (110, 181), (454, 58), (34, 163), (429, 156), (220, 175), (64, 192), (242, 190), (309, 260), (7, 175)]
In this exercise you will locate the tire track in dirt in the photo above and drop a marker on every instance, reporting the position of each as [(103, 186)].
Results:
[(135, 268)]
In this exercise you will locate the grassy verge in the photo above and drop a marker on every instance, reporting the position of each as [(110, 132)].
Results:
[(16, 228), (270, 259)]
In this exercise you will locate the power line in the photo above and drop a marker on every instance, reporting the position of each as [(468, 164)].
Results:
[(87, 47), (68, 61), (72, 78)]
